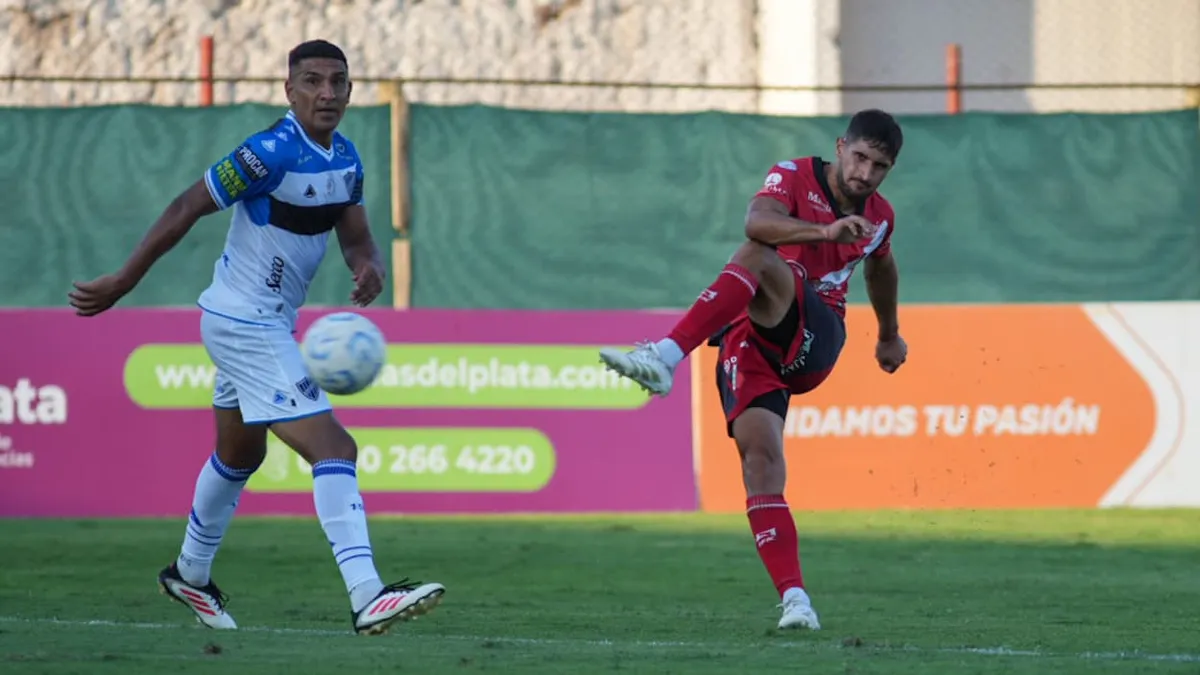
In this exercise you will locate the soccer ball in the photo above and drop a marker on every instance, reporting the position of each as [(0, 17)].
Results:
[(343, 352)]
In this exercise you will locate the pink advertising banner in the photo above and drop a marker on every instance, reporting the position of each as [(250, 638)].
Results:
[(475, 412)]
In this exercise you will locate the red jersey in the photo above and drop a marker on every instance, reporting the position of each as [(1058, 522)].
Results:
[(801, 186)]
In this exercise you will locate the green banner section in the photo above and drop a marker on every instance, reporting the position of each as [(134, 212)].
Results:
[(523, 209), (425, 460), (518, 209), (552, 377), (86, 183)]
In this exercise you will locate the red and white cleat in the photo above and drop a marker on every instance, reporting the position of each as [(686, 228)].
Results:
[(401, 601), (206, 602)]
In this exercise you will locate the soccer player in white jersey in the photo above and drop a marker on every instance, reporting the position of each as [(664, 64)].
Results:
[(288, 186)]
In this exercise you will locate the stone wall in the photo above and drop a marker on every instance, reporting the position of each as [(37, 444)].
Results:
[(726, 42), (692, 41)]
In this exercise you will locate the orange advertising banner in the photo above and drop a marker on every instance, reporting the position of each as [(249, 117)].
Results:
[(997, 407)]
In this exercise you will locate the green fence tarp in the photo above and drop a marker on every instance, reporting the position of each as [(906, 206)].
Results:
[(530, 209), (84, 185), (525, 209)]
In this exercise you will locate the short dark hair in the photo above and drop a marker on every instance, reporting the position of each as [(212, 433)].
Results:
[(315, 49), (878, 129)]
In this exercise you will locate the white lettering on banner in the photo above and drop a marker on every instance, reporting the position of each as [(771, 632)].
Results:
[(434, 459), (1066, 418), (27, 404), (436, 373), (12, 459)]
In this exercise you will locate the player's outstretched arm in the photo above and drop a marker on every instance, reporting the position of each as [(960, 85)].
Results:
[(175, 222), (768, 221), (92, 297), (361, 254), (883, 289)]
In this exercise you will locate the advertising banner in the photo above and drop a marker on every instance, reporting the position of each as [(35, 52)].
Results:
[(475, 411), (998, 407)]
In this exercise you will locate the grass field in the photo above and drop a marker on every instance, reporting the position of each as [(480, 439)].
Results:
[(912, 592)]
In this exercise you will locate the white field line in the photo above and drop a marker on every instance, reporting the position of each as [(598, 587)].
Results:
[(646, 644)]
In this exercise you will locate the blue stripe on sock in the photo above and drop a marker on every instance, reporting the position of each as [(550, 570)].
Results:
[(338, 554), (231, 475), (201, 541), (353, 557), (332, 467), (192, 517), (330, 462), (201, 537)]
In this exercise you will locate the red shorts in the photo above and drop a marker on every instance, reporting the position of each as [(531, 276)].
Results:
[(761, 367)]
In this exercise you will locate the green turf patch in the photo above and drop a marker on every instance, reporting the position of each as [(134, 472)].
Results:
[(898, 592)]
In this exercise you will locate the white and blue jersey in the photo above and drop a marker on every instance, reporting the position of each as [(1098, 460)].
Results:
[(287, 192)]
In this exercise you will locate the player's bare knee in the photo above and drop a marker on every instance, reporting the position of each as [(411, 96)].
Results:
[(344, 448), (317, 438), (755, 257), (759, 436), (336, 444), (764, 470)]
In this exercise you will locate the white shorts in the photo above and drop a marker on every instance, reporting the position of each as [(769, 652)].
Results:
[(259, 371)]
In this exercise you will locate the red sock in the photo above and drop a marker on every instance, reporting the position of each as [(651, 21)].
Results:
[(775, 534), (717, 306)]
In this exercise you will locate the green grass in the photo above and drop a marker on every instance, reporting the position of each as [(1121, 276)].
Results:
[(909, 592)]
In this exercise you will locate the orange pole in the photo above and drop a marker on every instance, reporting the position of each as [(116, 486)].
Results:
[(206, 71), (953, 79)]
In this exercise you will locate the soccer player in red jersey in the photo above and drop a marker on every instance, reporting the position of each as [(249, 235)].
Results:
[(777, 311)]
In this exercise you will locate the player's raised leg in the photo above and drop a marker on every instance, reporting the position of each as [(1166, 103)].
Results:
[(745, 277), (326, 445), (240, 451)]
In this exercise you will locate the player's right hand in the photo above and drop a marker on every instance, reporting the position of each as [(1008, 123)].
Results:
[(850, 229), (92, 297)]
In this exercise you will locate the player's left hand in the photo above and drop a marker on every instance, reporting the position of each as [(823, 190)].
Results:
[(891, 354), (368, 284), (92, 297)]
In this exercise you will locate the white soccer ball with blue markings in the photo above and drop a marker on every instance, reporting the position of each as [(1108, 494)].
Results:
[(343, 352)]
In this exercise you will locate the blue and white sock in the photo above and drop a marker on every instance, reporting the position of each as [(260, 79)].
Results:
[(344, 519), (216, 498)]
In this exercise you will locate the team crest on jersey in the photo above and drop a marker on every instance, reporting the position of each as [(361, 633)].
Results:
[(308, 388)]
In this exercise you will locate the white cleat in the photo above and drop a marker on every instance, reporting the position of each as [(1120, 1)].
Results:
[(400, 601), (798, 611), (643, 365), (206, 602)]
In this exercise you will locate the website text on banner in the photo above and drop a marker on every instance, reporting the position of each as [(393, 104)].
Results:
[(998, 407), (476, 411)]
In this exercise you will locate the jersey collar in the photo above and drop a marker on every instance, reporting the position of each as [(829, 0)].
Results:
[(316, 147)]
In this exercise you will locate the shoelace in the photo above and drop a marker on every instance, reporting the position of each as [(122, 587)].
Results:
[(403, 585), (215, 593)]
